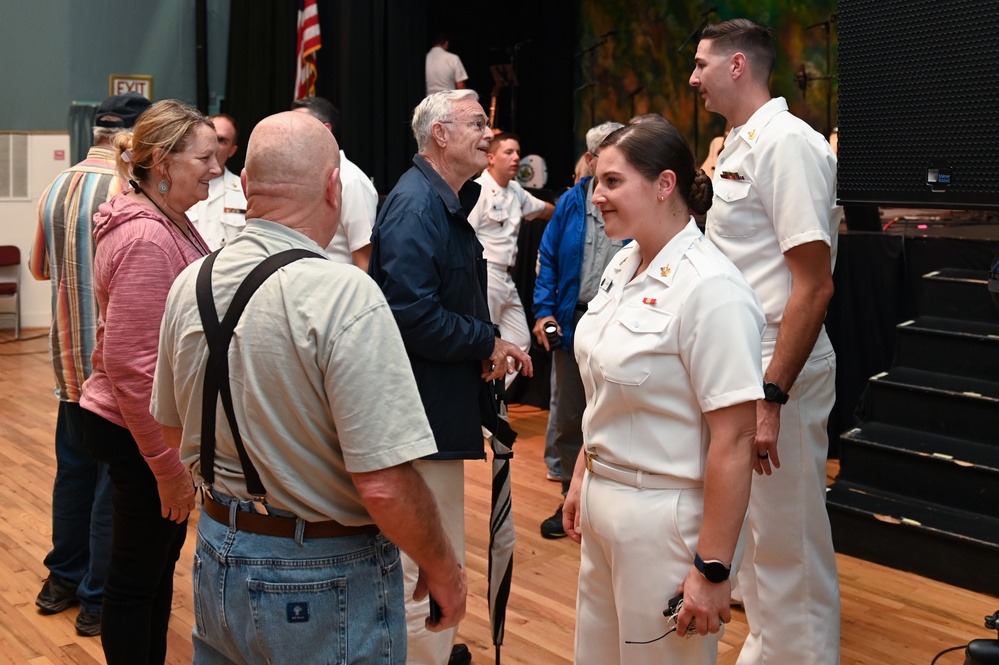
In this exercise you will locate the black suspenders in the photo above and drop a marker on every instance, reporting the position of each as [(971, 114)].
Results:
[(219, 333)]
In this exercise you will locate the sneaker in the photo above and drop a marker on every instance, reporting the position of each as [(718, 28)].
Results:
[(554, 477), (551, 528), (88, 624), (55, 596), (460, 655)]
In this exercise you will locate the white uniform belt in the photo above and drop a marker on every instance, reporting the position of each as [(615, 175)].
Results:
[(502, 267), (637, 477)]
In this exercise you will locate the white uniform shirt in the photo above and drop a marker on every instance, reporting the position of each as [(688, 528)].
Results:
[(223, 214), (443, 70), (657, 351), (775, 189), (357, 213), (497, 215)]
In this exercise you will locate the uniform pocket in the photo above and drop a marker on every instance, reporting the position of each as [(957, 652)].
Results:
[(639, 333), (731, 197)]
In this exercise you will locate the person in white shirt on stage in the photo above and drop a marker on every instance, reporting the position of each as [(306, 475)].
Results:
[(223, 214), (444, 70), (352, 242), (503, 204)]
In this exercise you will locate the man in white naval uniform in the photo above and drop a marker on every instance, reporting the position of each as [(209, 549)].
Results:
[(352, 242), (503, 204), (774, 214), (222, 215)]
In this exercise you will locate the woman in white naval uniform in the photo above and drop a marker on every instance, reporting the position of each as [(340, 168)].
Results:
[(669, 353)]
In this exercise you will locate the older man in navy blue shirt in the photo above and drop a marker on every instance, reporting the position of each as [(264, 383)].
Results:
[(428, 262)]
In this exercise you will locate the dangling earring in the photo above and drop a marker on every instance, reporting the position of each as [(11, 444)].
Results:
[(163, 186)]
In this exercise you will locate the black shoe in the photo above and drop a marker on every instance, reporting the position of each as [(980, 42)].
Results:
[(87, 624), (460, 655), (551, 528), (55, 596)]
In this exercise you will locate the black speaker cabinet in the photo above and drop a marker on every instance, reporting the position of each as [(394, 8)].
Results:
[(919, 103)]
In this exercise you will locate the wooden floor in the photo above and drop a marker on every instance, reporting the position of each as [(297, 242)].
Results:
[(889, 617)]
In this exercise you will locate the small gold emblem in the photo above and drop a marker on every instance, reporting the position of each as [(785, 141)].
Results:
[(665, 270), (752, 134)]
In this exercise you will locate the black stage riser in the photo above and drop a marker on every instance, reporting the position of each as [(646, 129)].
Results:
[(962, 479), (869, 526), (938, 345), (958, 294), (896, 398)]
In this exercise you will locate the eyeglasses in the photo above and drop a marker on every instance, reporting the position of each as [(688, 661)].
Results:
[(480, 125)]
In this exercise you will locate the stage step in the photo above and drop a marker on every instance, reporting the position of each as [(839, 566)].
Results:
[(948, 346), (953, 546), (958, 294), (955, 473), (918, 487), (935, 403)]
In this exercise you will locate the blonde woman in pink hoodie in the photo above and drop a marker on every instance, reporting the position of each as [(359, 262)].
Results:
[(143, 241)]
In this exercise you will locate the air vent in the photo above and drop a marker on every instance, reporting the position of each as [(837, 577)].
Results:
[(13, 166)]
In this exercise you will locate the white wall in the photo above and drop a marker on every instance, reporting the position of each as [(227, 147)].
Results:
[(19, 221)]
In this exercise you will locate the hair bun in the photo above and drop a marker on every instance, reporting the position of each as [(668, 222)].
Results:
[(701, 193)]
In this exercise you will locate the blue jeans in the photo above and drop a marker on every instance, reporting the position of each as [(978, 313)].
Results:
[(138, 595), (81, 512), (264, 599)]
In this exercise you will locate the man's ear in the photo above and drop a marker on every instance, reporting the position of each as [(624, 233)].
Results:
[(333, 189), (242, 181), (739, 65), (589, 157), (439, 134)]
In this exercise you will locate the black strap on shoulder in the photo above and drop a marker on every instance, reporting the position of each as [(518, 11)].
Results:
[(219, 335)]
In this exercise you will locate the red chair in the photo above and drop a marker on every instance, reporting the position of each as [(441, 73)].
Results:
[(10, 282)]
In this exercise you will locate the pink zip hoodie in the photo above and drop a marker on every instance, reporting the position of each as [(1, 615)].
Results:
[(139, 254)]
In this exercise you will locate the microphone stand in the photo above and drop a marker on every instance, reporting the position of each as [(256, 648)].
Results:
[(828, 78), (590, 50)]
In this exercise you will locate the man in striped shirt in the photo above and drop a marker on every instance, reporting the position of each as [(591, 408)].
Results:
[(63, 253)]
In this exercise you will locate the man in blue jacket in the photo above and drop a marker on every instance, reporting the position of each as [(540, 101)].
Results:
[(573, 254), (428, 263)]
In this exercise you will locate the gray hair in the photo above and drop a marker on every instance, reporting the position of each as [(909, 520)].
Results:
[(105, 134), (596, 136), (436, 108)]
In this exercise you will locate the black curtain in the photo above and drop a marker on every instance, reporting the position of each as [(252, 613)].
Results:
[(370, 66)]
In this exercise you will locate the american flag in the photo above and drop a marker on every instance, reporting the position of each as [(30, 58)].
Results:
[(308, 43)]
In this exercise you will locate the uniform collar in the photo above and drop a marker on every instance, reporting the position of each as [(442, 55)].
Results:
[(750, 132), (663, 267)]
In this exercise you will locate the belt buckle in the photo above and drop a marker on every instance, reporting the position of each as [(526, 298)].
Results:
[(589, 462)]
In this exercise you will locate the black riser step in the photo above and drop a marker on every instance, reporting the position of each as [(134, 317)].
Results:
[(957, 407), (936, 543), (958, 294), (948, 346), (948, 472)]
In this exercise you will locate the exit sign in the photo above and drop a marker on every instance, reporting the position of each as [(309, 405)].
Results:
[(119, 84)]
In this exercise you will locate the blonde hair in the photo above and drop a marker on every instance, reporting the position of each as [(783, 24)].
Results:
[(168, 125)]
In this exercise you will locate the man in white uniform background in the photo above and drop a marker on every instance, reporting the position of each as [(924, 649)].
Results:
[(444, 70), (774, 215), (352, 242), (223, 214), (503, 204)]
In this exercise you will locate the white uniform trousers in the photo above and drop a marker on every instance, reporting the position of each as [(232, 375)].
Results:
[(638, 546), (789, 583), (446, 479), (506, 310)]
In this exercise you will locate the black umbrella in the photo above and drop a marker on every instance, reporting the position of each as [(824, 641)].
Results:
[(502, 536)]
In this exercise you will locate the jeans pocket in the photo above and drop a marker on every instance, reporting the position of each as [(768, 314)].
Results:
[(301, 621), (199, 593)]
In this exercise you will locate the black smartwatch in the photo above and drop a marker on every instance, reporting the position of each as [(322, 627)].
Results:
[(713, 571), (773, 393)]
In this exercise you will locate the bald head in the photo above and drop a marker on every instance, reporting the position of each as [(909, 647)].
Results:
[(292, 173)]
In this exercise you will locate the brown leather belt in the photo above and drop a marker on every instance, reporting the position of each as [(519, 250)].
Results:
[(280, 527)]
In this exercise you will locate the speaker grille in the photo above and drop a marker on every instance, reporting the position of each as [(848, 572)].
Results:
[(919, 90)]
